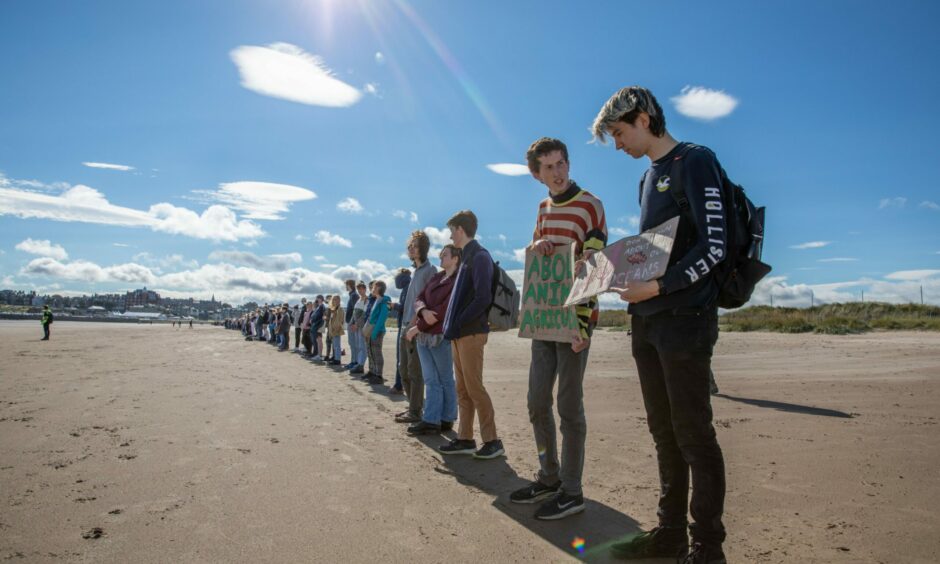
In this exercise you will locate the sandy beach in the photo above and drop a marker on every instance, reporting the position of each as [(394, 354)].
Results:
[(139, 443)]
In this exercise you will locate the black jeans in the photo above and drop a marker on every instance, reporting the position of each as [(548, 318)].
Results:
[(45, 331), (673, 357)]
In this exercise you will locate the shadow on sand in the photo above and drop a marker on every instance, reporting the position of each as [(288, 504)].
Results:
[(599, 525), (788, 407)]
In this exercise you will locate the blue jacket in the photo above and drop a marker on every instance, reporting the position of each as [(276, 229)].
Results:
[(350, 304), (472, 295), (379, 316)]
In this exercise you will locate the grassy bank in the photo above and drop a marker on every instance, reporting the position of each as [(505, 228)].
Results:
[(834, 319)]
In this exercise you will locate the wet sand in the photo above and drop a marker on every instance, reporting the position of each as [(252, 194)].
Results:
[(178, 445)]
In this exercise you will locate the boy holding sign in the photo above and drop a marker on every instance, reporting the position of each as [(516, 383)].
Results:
[(569, 216)]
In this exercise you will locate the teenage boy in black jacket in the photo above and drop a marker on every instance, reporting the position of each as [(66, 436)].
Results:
[(675, 327)]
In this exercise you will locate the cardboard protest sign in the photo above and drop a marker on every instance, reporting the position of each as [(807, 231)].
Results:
[(640, 257), (548, 280)]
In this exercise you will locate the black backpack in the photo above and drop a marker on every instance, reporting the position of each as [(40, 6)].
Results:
[(742, 268), (503, 313)]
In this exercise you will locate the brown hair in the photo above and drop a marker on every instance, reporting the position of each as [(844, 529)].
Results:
[(380, 286), (422, 242), (541, 147), (350, 285), (454, 251), (466, 220)]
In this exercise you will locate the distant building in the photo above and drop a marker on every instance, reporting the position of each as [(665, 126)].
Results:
[(142, 297)]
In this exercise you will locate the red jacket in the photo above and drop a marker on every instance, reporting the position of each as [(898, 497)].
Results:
[(435, 295)]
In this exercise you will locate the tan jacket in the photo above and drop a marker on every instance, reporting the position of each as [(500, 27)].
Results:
[(335, 327)]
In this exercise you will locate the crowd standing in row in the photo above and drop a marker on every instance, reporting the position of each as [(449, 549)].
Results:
[(443, 330)]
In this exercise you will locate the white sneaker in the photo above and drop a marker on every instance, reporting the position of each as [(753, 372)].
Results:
[(317, 358)]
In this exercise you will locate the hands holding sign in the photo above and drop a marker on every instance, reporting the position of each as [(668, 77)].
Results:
[(637, 292)]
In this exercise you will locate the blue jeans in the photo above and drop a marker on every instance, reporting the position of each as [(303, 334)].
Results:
[(353, 344), (337, 348), (363, 347), (440, 391)]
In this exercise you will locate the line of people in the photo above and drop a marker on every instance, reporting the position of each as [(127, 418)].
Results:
[(444, 330)]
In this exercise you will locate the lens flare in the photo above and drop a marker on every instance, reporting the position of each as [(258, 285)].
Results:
[(578, 544)]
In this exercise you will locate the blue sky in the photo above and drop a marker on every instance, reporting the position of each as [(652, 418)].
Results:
[(225, 118)]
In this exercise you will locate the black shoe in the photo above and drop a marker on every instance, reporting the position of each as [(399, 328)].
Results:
[(560, 506), (375, 380), (534, 492), (458, 446), (704, 554), (447, 426), (657, 543), (490, 449), (357, 370), (424, 428)]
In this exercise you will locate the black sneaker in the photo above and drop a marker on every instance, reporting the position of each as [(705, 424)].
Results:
[(458, 446), (560, 506), (447, 426), (657, 543), (534, 492), (375, 380), (704, 554), (424, 428), (490, 449), (356, 370)]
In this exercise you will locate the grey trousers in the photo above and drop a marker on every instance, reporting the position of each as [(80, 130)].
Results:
[(412, 379), (551, 360)]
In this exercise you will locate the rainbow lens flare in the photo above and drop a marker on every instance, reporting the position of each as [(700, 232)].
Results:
[(578, 544)]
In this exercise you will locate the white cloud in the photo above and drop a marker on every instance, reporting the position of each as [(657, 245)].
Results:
[(811, 245), (109, 166), (258, 200), (380, 239), (897, 287), (327, 238), (409, 215), (328, 265), (703, 103), (437, 236), (912, 275), (84, 204), (350, 205), (85, 271), (619, 232), (301, 238), (319, 258), (269, 262), (285, 71), (42, 247), (838, 259), (120, 244), (509, 169), (379, 58), (502, 238), (372, 88), (930, 205), (519, 255), (892, 203)]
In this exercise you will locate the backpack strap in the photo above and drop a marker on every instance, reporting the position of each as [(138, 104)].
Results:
[(677, 186)]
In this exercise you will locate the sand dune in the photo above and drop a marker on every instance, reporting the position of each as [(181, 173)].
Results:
[(127, 443)]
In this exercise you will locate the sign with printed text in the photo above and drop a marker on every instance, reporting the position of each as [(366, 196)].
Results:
[(640, 257), (545, 289)]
